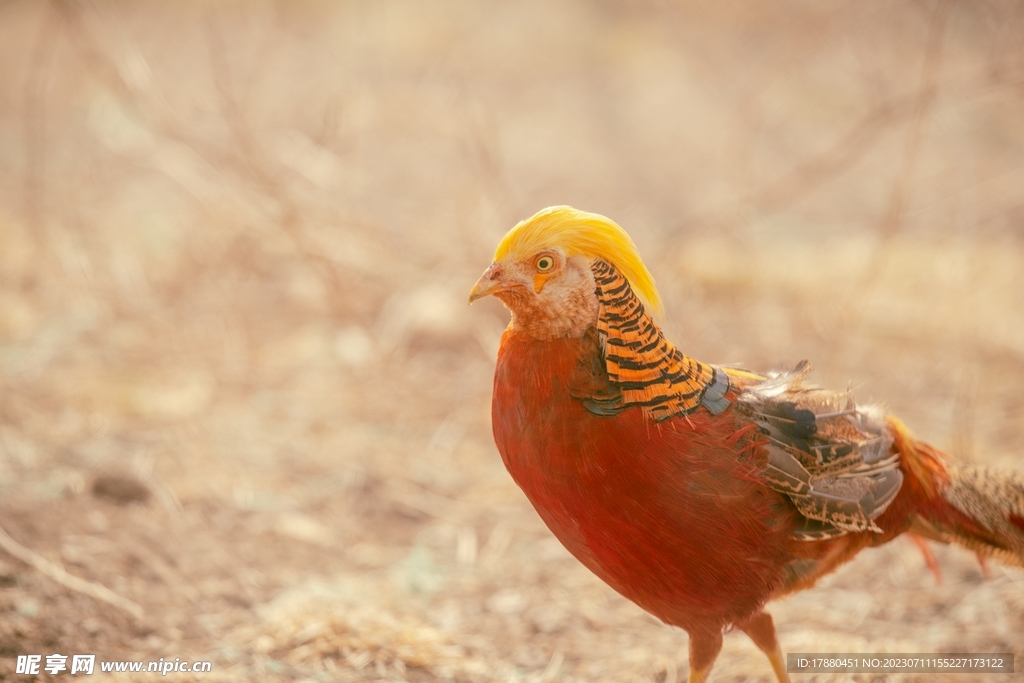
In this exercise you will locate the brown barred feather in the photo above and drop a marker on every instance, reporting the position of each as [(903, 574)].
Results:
[(993, 499), (832, 459)]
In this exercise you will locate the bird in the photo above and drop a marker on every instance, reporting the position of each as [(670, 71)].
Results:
[(701, 492)]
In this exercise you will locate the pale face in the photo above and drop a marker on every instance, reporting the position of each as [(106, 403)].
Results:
[(549, 294)]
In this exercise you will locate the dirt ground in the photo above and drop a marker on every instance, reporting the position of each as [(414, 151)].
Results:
[(240, 387)]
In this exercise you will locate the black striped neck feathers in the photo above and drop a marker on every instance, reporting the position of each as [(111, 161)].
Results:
[(648, 371)]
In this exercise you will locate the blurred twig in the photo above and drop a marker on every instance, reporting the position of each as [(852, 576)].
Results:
[(47, 568), (146, 472)]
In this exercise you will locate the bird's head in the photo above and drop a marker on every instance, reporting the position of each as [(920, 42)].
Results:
[(542, 271)]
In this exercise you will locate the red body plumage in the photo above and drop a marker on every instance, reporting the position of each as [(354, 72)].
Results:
[(660, 511)]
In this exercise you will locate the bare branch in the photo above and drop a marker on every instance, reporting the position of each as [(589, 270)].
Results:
[(47, 568)]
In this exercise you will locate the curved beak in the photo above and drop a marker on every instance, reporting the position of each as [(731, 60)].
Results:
[(489, 283)]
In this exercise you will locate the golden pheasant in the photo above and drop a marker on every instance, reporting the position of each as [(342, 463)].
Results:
[(700, 492)]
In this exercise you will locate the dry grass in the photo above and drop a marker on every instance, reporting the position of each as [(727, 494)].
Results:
[(235, 245)]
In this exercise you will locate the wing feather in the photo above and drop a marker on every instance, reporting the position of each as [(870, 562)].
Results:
[(833, 459)]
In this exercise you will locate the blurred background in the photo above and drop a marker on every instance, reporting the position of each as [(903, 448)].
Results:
[(240, 385)]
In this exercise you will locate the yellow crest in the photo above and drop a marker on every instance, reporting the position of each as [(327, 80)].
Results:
[(585, 234)]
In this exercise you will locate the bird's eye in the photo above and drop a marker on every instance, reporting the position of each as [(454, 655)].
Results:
[(545, 263)]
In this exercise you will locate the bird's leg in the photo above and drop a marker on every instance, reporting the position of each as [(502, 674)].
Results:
[(761, 630), (929, 557), (704, 648)]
